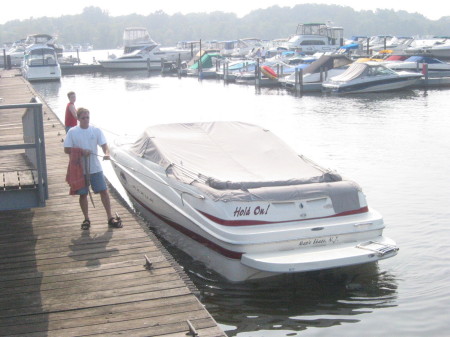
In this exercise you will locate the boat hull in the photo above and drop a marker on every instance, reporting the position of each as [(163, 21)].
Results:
[(373, 86), (242, 250), (131, 65)]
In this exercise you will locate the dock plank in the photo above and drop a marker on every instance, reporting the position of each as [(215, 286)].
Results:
[(56, 280)]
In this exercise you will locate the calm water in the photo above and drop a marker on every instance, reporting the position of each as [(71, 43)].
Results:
[(396, 145)]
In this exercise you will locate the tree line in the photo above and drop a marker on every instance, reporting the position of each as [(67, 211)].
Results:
[(97, 27)]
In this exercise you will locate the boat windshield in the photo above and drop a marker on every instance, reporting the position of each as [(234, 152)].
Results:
[(41, 57), (380, 71)]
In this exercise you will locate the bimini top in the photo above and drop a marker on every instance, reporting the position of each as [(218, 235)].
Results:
[(227, 155)]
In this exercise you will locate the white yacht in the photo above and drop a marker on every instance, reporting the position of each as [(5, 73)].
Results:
[(40, 63), (311, 38), (141, 52)]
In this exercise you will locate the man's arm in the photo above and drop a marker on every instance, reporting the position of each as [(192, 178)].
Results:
[(105, 149), (73, 111)]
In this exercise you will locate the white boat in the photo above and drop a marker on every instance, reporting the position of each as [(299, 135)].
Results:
[(237, 198), (141, 52), (311, 38), (440, 50), (436, 68), (436, 46), (40, 63), (17, 50), (246, 47), (370, 77)]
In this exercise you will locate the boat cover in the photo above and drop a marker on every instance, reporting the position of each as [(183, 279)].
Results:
[(354, 71), (240, 161), (423, 59), (327, 62)]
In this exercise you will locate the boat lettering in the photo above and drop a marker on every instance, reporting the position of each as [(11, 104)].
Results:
[(333, 239), (319, 241), (246, 211)]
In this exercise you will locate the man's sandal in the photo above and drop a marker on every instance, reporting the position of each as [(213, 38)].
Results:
[(86, 225), (115, 222)]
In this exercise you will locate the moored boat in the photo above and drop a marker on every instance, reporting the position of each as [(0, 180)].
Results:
[(237, 198), (141, 52), (311, 38), (362, 77), (417, 63), (40, 63)]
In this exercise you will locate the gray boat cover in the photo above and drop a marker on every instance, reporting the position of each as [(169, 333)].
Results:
[(327, 62), (240, 161), (354, 71)]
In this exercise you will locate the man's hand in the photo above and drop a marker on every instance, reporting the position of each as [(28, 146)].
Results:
[(106, 157)]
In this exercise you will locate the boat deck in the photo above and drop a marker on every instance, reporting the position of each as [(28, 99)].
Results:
[(56, 280)]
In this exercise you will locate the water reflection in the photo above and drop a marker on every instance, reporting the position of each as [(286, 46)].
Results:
[(294, 302)]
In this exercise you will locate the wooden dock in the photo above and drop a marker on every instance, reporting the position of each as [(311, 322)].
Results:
[(56, 280)]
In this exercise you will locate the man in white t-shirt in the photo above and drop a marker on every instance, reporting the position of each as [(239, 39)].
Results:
[(88, 138)]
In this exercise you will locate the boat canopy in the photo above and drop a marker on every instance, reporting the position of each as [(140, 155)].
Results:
[(350, 46), (423, 59), (206, 60), (396, 58), (240, 161), (327, 62)]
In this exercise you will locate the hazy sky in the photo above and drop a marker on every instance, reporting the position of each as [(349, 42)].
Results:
[(432, 9)]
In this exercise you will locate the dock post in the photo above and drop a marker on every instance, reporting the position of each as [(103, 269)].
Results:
[(162, 65), (225, 71), (425, 73), (199, 69), (257, 73), (179, 65), (4, 58), (298, 80), (367, 47)]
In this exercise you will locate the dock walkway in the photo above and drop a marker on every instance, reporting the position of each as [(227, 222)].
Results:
[(56, 280)]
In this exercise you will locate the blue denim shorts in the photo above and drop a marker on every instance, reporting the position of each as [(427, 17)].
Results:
[(98, 184)]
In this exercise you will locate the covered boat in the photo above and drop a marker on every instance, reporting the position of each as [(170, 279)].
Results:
[(237, 198), (318, 71), (370, 77)]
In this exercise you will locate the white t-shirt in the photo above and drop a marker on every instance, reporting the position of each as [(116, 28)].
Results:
[(87, 139)]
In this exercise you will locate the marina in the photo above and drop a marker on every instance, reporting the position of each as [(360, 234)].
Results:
[(393, 143), (56, 280)]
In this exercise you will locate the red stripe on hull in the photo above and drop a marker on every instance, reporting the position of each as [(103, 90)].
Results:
[(258, 222), (194, 236)]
